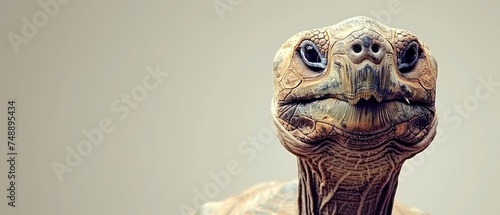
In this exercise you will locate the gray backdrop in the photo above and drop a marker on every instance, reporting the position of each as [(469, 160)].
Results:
[(153, 107)]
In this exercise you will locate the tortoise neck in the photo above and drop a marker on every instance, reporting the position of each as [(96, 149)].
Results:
[(325, 189)]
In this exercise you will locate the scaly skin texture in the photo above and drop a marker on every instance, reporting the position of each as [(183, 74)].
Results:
[(352, 101)]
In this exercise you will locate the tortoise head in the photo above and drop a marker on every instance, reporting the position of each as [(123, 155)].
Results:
[(353, 101), (358, 83)]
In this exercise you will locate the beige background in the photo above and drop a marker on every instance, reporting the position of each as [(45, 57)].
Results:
[(216, 98)]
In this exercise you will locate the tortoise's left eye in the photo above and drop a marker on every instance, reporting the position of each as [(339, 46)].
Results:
[(311, 56), (408, 57)]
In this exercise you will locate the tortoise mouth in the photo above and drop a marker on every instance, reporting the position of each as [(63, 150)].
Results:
[(364, 121)]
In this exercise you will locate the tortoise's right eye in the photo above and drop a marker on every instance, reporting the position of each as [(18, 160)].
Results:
[(311, 56)]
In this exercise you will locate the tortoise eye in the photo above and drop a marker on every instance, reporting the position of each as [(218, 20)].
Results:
[(311, 56), (408, 57)]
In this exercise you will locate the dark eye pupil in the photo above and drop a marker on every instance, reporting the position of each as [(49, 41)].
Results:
[(408, 57), (410, 54), (311, 54)]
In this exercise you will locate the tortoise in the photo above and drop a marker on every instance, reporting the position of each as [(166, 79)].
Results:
[(352, 102)]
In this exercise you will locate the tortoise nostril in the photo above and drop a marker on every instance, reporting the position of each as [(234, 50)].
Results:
[(375, 48), (366, 49), (356, 48)]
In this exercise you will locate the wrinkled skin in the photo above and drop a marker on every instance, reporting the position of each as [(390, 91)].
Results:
[(352, 101)]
